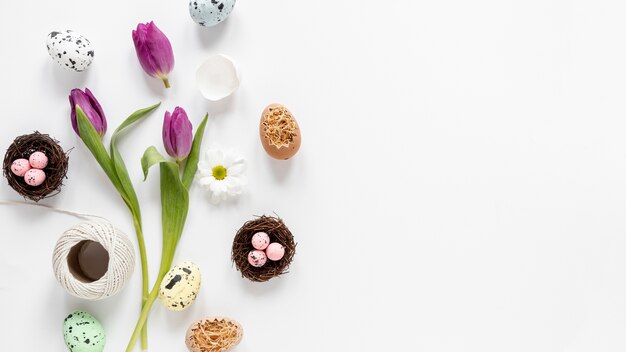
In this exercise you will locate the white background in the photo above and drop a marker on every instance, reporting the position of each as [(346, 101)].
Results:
[(461, 184)]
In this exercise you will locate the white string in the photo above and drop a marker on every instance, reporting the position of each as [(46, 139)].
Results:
[(99, 230), (49, 207)]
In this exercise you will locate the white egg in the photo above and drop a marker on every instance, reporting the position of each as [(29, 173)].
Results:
[(210, 12), (70, 50)]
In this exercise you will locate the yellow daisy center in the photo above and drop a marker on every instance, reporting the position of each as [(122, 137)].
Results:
[(219, 172)]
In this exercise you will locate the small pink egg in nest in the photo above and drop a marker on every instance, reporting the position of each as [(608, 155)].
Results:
[(257, 258), (275, 251), (19, 167), (260, 240), (38, 160), (35, 177)]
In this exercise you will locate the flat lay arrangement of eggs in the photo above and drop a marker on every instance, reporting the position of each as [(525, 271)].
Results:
[(217, 78), (180, 286), (69, 49), (83, 333)]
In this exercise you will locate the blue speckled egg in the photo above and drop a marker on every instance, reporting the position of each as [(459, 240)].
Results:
[(208, 13), (83, 333), (70, 50)]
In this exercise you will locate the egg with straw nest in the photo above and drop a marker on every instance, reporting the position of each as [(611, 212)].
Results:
[(214, 334), (279, 132)]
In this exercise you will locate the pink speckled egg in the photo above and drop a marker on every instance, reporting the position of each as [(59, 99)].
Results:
[(260, 240), (20, 166), (38, 160), (35, 177), (275, 251), (257, 258)]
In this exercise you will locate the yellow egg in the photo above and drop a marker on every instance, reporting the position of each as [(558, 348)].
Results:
[(279, 132), (180, 286)]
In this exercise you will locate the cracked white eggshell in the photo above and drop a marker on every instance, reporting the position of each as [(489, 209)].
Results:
[(217, 77)]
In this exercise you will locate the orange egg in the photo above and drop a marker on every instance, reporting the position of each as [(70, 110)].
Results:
[(279, 132)]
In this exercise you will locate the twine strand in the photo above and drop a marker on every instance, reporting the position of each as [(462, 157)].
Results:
[(99, 230)]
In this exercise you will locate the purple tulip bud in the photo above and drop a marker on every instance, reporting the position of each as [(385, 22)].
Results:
[(92, 109), (177, 134), (154, 51)]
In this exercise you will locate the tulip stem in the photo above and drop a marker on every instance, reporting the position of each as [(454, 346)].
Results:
[(166, 82), (145, 311), (145, 284)]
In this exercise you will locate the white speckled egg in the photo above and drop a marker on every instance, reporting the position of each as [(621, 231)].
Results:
[(69, 49), (180, 286), (208, 13)]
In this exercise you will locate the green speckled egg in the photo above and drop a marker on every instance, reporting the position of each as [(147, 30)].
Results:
[(180, 286), (83, 333)]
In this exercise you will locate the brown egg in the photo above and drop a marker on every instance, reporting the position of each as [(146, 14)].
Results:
[(214, 334), (279, 132)]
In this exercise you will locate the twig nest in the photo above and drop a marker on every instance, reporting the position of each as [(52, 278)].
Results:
[(214, 334), (47, 154), (278, 233), (279, 132), (217, 77)]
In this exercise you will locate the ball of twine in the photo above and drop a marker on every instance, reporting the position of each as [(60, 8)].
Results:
[(56, 170), (118, 261), (242, 245)]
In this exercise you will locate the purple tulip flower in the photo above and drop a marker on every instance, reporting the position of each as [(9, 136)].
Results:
[(154, 51), (177, 134), (92, 109)]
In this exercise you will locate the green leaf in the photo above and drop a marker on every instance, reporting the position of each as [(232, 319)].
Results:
[(93, 141), (134, 117), (118, 163), (192, 160), (150, 157), (174, 208)]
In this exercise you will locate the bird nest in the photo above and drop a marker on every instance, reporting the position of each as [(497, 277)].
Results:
[(242, 245), (56, 170)]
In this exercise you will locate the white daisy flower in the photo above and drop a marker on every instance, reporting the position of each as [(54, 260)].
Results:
[(222, 173)]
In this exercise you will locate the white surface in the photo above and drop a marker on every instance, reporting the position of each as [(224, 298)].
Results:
[(460, 185)]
